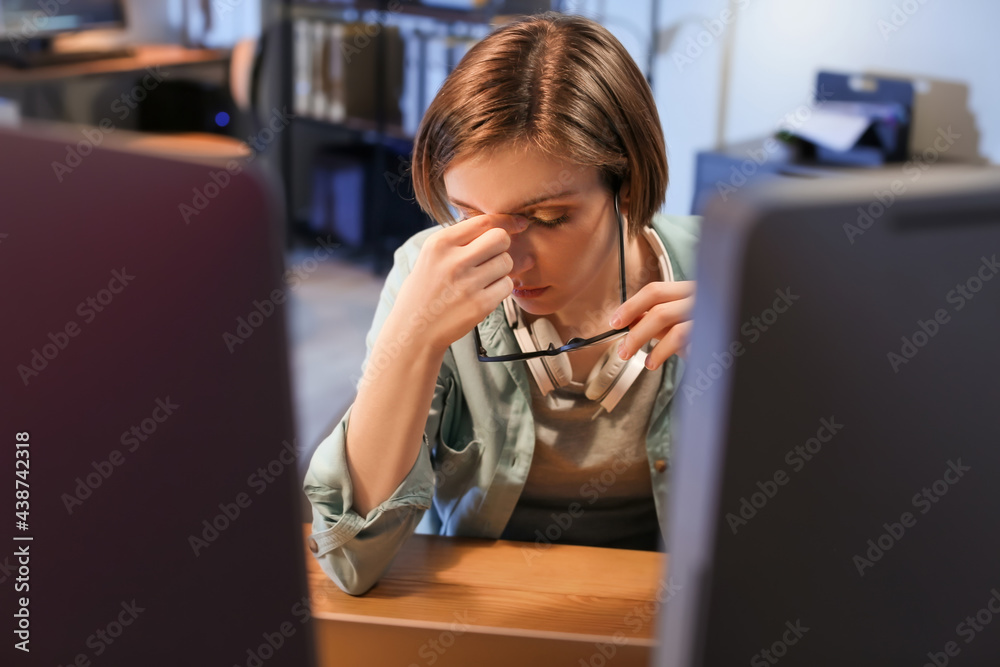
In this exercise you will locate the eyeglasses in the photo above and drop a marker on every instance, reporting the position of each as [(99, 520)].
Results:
[(574, 343)]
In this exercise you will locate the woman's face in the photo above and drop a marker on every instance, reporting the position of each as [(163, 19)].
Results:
[(566, 261)]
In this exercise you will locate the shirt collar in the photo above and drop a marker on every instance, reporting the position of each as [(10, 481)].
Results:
[(498, 339)]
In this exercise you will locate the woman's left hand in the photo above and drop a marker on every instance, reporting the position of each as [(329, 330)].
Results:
[(659, 310)]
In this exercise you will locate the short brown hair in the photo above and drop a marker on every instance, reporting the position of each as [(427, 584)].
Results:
[(559, 83)]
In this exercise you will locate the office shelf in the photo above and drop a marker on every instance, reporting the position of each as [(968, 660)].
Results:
[(380, 139)]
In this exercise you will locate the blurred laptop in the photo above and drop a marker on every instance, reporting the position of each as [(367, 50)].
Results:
[(838, 448), (146, 411)]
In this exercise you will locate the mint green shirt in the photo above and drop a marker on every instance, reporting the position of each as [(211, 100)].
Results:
[(477, 443)]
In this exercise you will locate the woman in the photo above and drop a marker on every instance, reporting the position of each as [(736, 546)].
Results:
[(546, 142)]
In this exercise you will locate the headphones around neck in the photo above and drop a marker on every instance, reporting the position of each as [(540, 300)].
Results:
[(611, 376)]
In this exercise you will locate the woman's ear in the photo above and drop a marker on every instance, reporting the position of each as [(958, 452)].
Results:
[(623, 200)]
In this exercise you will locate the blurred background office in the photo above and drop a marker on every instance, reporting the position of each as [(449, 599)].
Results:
[(326, 96)]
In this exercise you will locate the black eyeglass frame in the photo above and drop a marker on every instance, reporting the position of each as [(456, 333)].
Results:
[(573, 343)]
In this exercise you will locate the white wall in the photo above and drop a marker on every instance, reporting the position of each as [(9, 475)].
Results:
[(778, 46), (231, 20)]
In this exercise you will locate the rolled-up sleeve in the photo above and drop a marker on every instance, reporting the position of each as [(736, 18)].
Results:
[(356, 551)]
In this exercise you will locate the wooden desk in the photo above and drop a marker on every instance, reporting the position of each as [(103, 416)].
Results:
[(457, 602), (147, 55), (84, 92)]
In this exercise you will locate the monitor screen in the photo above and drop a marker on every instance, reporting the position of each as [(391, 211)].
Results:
[(149, 535), (31, 19), (834, 497)]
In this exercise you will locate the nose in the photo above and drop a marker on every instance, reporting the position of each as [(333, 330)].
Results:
[(522, 253)]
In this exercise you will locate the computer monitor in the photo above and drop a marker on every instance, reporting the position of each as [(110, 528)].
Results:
[(31, 19), (28, 29), (835, 485), (146, 411)]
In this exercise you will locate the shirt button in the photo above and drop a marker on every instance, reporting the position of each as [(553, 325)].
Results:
[(313, 547), (660, 465)]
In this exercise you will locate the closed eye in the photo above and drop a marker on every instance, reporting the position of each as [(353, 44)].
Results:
[(545, 222), (555, 222)]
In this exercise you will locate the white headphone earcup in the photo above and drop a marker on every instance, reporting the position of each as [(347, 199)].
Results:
[(537, 368), (604, 373), (612, 377), (558, 367)]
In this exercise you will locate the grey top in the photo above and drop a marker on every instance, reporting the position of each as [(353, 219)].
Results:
[(589, 482)]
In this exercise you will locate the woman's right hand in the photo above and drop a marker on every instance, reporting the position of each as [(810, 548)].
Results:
[(460, 277)]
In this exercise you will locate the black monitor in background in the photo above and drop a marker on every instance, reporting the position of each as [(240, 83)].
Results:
[(835, 492), (146, 412), (28, 28), (32, 18)]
